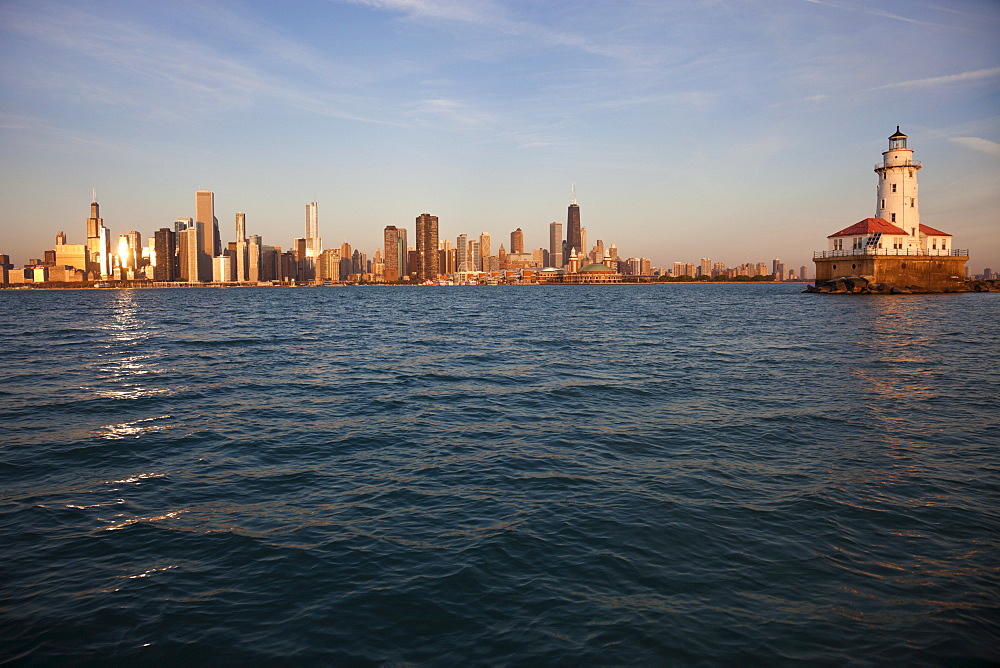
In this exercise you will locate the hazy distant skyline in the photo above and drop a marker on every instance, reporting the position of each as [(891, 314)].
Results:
[(743, 130)]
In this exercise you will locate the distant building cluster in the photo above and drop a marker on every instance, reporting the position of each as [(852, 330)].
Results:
[(718, 270), (191, 251)]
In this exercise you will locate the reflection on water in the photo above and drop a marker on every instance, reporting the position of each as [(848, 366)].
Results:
[(894, 358), (121, 367), (131, 429)]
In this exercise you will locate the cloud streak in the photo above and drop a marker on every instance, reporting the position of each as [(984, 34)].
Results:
[(979, 144), (974, 75), (489, 15)]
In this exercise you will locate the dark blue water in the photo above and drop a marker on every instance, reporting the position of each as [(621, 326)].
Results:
[(510, 475)]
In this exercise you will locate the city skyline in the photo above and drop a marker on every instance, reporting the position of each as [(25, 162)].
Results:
[(177, 255), (716, 128)]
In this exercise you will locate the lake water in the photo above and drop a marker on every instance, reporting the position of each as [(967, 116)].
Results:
[(499, 475)]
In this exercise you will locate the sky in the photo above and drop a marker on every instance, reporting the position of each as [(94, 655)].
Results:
[(736, 130)]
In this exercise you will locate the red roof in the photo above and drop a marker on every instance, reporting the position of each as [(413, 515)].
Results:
[(869, 226), (931, 232)]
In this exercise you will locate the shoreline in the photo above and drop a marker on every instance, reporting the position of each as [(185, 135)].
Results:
[(224, 286)]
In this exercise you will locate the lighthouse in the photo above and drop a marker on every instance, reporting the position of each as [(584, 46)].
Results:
[(897, 189), (894, 248)]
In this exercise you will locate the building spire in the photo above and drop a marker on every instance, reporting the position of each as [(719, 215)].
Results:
[(95, 196), (574, 193)]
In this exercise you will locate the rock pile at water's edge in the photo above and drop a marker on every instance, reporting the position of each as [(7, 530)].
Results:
[(866, 285)]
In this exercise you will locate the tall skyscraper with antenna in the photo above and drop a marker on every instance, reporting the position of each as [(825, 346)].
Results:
[(98, 243), (573, 239)]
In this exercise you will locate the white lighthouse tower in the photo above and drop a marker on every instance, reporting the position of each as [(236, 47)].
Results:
[(897, 189)]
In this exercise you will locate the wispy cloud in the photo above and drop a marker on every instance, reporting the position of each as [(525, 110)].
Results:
[(974, 75), (466, 118), (881, 13), (166, 76), (979, 144), (488, 14)]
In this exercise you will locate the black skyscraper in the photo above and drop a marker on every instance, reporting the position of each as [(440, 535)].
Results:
[(573, 230)]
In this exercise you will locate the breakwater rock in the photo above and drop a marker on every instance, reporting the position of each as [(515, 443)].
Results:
[(867, 285)]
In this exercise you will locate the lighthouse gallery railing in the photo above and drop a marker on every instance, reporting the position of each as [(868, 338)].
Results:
[(869, 252)]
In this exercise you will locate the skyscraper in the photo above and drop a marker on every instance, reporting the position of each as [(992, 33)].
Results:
[(484, 251), (312, 220), (190, 252), (242, 249), (98, 243), (314, 245), (555, 244), (573, 240), (462, 261), (166, 251), (517, 241), (204, 208), (427, 247), (393, 266)]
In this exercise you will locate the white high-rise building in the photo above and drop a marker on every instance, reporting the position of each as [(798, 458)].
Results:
[(314, 244)]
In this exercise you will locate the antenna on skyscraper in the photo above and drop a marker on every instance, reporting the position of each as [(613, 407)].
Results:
[(574, 193), (95, 195)]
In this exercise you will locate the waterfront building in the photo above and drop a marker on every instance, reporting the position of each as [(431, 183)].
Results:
[(574, 262), (484, 252), (314, 244), (475, 256), (556, 244), (71, 255), (463, 263), (209, 242), (222, 268), (98, 244), (190, 252), (394, 245), (540, 258), (328, 265), (427, 246), (242, 249), (894, 247), (165, 241), (255, 260)]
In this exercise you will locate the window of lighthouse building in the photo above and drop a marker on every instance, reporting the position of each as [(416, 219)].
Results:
[(893, 187)]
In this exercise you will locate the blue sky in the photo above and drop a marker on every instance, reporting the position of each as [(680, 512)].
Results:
[(740, 131)]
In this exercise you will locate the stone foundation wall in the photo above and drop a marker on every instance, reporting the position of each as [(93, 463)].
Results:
[(928, 273)]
